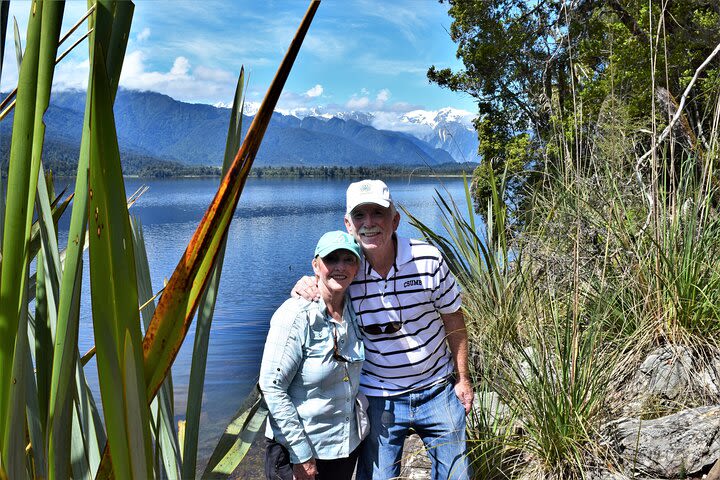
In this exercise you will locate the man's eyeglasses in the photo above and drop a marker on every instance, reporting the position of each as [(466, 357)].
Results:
[(336, 351)]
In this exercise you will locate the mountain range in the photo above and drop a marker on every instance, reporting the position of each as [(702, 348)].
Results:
[(155, 125), (448, 129)]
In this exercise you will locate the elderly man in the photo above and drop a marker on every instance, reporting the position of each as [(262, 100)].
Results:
[(415, 373)]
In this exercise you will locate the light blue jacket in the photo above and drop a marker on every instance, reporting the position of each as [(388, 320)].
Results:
[(311, 395)]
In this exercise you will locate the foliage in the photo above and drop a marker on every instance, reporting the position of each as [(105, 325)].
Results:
[(609, 262), (61, 159), (380, 171), (545, 68)]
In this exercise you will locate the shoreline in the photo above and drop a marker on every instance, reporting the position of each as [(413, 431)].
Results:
[(308, 176)]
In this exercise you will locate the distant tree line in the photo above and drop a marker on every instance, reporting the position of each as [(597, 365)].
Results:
[(364, 171)]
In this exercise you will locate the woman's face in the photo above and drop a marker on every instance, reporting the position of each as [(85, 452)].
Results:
[(336, 270)]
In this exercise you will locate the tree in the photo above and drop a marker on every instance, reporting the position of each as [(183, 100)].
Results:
[(539, 68)]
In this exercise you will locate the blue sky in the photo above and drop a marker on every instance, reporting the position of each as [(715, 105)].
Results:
[(365, 55)]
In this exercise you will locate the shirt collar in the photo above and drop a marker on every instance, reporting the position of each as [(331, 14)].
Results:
[(348, 313), (404, 254)]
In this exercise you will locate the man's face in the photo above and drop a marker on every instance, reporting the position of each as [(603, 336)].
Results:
[(372, 226)]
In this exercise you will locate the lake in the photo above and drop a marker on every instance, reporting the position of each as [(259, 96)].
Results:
[(270, 245)]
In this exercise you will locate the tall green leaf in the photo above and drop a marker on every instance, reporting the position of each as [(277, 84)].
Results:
[(34, 422), (92, 430), (238, 437), (47, 291), (167, 449), (108, 16), (4, 13), (18, 43), (16, 233), (113, 284), (35, 80), (15, 454)]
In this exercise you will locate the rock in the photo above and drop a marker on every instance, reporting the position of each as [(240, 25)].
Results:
[(489, 405), (671, 376), (665, 372), (415, 461), (668, 447), (710, 377)]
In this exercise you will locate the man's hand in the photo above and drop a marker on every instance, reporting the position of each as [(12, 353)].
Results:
[(305, 471), (306, 288), (464, 392), (458, 342)]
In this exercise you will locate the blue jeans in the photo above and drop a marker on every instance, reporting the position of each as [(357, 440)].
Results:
[(435, 413)]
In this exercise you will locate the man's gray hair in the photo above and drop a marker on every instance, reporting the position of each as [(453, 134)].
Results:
[(392, 208)]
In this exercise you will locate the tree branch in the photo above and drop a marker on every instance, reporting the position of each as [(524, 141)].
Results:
[(681, 107)]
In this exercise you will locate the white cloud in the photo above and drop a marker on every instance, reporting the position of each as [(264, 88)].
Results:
[(183, 81), (363, 102), (315, 91), (180, 67), (383, 95), (214, 75), (358, 103), (298, 104), (144, 35), (71, 75)]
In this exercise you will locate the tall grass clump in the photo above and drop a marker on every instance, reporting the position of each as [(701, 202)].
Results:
[(541, 370)]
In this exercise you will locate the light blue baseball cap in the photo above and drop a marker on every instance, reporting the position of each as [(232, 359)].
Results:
[(336, 240)]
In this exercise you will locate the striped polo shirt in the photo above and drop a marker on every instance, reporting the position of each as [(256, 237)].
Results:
[(417, 290)]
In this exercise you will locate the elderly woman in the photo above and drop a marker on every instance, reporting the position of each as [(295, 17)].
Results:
[(310, 374)]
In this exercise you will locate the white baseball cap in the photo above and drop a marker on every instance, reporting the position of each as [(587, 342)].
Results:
[(368, 191)]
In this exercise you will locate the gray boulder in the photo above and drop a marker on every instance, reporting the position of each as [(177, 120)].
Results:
[(671, 376), (669, 447)]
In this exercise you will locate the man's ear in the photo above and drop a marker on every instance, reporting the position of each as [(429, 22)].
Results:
[(348, 225), (396, 221)]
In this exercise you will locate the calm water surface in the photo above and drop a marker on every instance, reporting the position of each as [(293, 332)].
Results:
[(270, 245)]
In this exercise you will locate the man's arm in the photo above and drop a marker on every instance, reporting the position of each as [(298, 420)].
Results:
[(458, 342)]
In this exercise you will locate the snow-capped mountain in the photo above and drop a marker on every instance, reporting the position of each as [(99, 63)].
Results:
[(449, 129)]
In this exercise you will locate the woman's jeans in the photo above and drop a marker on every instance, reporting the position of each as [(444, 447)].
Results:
[(435, 413)]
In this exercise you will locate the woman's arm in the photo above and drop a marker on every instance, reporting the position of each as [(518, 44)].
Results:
[(282, 357)]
